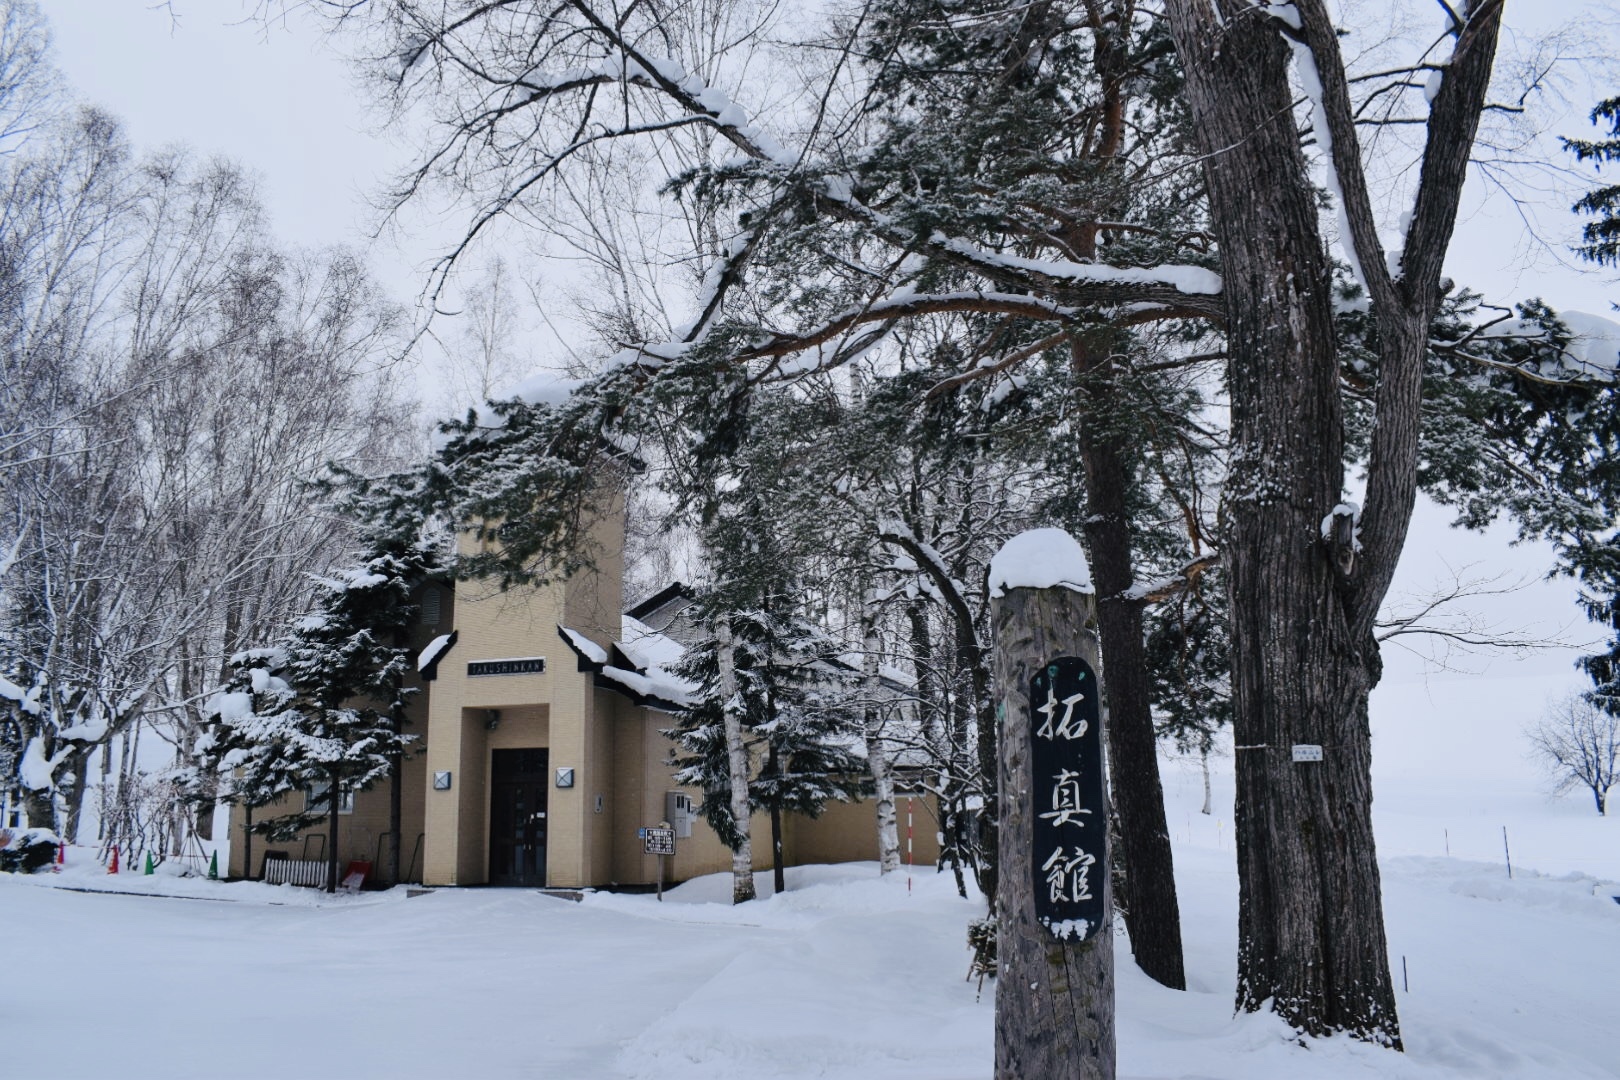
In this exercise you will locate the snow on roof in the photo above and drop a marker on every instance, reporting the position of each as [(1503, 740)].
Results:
[(656, 684), (647, 646), (653, 684), (1040, 559), (434, 651), (584, 645), (895, 675)]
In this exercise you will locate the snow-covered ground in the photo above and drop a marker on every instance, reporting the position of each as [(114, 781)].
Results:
[(846, 975)]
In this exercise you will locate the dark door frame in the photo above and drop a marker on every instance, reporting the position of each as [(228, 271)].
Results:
[(519, 823)]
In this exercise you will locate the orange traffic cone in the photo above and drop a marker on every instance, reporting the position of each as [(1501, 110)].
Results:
[(112, 867)]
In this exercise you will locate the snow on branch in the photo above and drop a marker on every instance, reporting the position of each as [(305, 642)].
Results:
[(931, 563), (1182, 280), (1161, 589), (1032, 307)]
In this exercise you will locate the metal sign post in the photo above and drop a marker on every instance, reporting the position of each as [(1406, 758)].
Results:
[(659, 841)]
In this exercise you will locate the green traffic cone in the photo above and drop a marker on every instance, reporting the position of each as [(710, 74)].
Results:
[(213, 867), (149, 867)]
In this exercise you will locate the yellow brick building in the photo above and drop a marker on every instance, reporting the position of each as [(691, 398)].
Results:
[(541, 755)]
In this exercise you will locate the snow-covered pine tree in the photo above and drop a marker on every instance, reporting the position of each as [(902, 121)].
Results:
[(326, 707), (800, 740)]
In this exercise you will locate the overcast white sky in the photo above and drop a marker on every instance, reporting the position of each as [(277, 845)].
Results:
[(282, 102)]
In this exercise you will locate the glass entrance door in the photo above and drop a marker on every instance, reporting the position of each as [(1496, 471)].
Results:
[(517, 817)]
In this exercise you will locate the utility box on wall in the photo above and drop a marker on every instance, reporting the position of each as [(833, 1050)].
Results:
[(678, 812)]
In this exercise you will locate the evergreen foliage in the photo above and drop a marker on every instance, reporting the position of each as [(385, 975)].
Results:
[(326, 705), (1602, 237), (800, 739)]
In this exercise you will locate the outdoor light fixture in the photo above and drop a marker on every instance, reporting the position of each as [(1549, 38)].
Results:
[(565, 776), (441, 781), (492, 719)]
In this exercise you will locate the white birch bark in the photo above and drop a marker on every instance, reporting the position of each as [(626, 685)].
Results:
[(877, 751), (1203, 761), (742, 857)]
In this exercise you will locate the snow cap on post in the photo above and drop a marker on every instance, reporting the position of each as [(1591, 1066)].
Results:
[(1040, 559)]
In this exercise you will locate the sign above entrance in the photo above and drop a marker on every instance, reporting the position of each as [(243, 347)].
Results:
[(521, 665)]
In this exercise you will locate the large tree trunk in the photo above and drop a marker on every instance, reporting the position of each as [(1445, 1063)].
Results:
[(78, 764), (1304, 596), (1152, 914), (742, 856), (1311, 924), (1054, 996), (936, 720), (40, 806)]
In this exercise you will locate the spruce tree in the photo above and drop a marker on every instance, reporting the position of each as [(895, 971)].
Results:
[(326, 706), (1602, 237), (800, 740)]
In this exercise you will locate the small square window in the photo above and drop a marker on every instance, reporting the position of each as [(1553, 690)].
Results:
[(315, 798)]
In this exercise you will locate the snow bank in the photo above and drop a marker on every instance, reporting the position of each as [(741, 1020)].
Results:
[(1040, 559)]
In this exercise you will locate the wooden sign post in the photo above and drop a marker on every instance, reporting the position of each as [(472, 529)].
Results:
[(1054, 908)]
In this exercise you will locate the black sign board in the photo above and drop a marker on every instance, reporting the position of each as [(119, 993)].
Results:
[(1070, 813), (528, 665), (658, 841)]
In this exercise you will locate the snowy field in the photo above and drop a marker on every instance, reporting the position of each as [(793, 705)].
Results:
[(844, 976)]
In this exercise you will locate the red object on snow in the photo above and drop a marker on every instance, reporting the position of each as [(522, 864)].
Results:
[(355, 876), (61, 858), (112, 867)]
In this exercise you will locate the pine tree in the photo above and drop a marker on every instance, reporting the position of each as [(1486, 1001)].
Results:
[(326, 707), (1602, 236), (785, 693)]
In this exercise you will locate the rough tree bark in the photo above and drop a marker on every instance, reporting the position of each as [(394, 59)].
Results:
[(334, 801), (1311, 933), (1054, 997), (1152, 913)]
